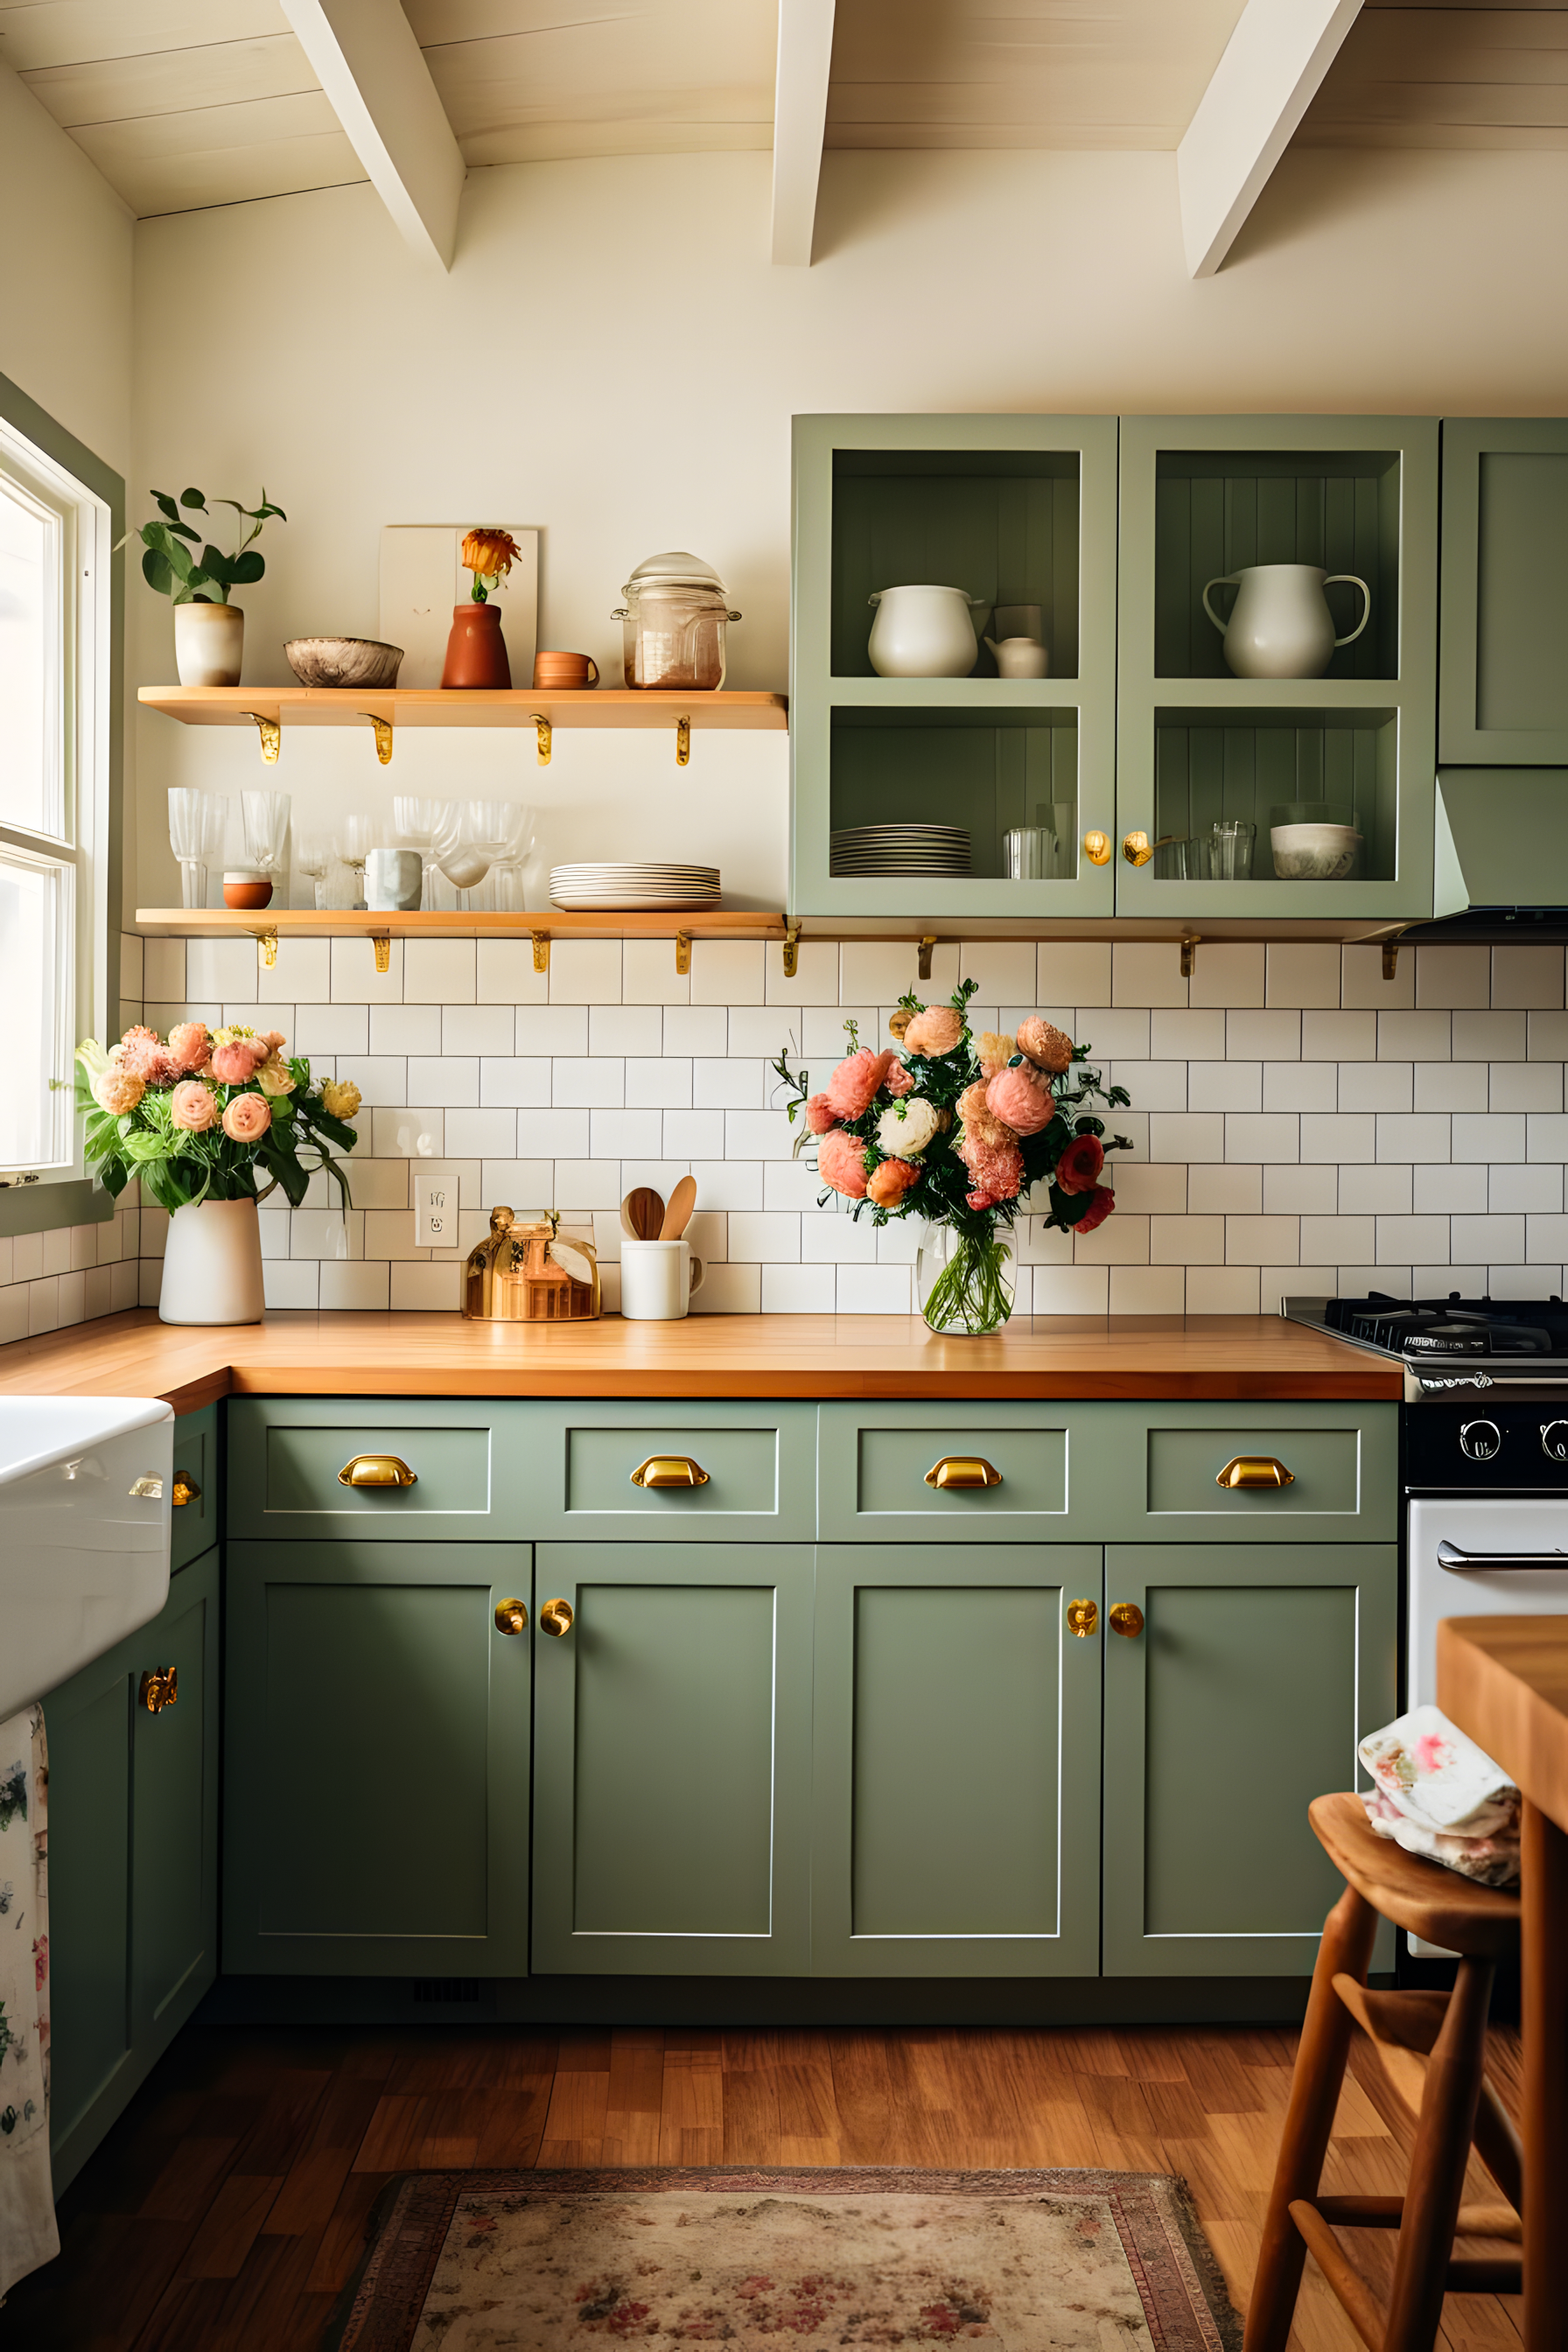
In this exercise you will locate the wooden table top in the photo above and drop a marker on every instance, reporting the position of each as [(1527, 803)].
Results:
[(1505, 1681), (1211, 1356)]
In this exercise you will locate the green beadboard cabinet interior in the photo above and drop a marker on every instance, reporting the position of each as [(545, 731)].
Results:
[(1503, 693)]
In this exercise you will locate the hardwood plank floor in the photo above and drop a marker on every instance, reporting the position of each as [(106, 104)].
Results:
[(227, 2208)]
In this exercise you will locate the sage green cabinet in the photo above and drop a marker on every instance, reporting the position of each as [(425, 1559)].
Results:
[(471, 1467), (1257, 1669), (601, 1470), (194, 1518), (673, 1759), (133, 1799), (956, 1761), (1504, 691), (376, 1796)]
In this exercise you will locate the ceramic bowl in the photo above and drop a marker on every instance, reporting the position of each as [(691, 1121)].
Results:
[(246, 887), (1314, 853), (343, 661)]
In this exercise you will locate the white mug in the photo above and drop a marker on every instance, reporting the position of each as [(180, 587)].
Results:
[(391, 879), (657, 1279)]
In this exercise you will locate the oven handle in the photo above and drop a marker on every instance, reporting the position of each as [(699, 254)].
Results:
[(1464, 1563)]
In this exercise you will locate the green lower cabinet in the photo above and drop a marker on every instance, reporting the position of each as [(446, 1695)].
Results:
[(132, 1862), (957, 1765), (376, 1798), (1257, 1670), (672, 1759)]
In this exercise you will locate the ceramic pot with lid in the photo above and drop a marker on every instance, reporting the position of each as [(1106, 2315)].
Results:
[(673, 623)]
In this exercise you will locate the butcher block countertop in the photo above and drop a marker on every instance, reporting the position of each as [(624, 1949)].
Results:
[(1210, 1356)]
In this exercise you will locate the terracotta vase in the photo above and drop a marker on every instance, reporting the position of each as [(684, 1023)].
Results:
[(476, 650)]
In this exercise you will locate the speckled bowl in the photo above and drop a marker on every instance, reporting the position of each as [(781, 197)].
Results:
[(343, 661)]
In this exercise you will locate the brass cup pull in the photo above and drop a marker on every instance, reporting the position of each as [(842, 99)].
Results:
[(376, 1470), (511, 1617), (1126, 1617), (1252, 1470), (159, 1689), (1083, 1618), (668, 1470), (184, 1490), (963, 1471), (557, 1617)]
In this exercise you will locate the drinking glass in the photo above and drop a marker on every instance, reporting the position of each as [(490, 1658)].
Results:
[(265, 819), (1231, 850), (416, 822), (185, 812), (505, 890), (354, 844), (313, 856), (1030, 851)]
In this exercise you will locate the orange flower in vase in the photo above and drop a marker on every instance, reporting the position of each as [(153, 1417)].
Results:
[(476, 650)]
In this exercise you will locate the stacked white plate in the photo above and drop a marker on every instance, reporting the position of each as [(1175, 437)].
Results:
[(605, 888), (900, 849)]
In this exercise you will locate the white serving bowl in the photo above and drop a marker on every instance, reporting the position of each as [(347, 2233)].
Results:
[(1314, 853)]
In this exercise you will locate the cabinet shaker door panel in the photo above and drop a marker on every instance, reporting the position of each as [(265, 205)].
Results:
[(1503, 692), (1238, 1698), (956, 1766), (377, 1755), (673, 1750), (174, 1944), (90, 1728)]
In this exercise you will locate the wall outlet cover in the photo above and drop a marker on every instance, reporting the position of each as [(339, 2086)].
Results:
[(434, 1204)]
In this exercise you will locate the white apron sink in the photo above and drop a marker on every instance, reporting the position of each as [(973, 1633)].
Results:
[(84, 1532)]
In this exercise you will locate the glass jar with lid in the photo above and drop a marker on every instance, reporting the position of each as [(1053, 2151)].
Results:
[(673, 622)]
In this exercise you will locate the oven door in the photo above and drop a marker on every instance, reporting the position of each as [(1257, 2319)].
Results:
[(1475, 1557)]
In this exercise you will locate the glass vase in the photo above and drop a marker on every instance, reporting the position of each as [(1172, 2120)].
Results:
[(963, 1282)]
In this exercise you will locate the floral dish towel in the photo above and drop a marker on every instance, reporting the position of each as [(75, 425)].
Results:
[(1439, 1795), (27, 2231)]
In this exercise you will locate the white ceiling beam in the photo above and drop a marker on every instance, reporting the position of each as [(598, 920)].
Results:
[(1268, 76), (800, 120), (373, 71)]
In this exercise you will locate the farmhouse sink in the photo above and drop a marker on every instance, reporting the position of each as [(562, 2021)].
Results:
[(84, 1532)]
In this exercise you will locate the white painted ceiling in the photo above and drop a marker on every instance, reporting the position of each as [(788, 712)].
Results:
[(187, 103)]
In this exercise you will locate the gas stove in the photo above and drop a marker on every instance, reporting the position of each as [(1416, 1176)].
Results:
[(1454, 1348)]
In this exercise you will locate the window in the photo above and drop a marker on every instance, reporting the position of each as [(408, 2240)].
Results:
[(55, 688)]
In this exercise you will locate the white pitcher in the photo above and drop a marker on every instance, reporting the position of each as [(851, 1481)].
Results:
[(1019, 656), (923, 631), (1280, 625)]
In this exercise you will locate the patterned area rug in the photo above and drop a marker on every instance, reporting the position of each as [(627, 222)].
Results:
[(815, 2260)]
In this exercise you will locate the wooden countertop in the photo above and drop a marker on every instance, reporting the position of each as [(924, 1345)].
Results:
[(1505, 1681), (1211, 1356)]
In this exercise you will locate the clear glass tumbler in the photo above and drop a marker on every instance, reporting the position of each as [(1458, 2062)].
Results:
[(1230, 852), (1030, 853)]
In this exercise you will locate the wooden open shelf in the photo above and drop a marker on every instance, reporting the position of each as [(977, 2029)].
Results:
[(601, 705), (439, 923)]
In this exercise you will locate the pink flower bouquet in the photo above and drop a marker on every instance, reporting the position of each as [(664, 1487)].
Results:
[(955, 1129), (202, 1114)]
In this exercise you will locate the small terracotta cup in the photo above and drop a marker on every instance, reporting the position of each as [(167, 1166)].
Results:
[(565, 672), (246, 887)]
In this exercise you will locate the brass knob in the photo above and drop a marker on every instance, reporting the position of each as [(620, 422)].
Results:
[(1255, 1470), (557, 1617), (1137, 848), (1126, 1617), (184, 1490), (1083, 1618), (159, 1689), (376, 1470), (669, 1470), (1097, 848), (962, 1470), (511, 1617)]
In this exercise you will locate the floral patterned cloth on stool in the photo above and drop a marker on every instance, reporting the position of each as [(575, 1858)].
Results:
[(27, 2231)]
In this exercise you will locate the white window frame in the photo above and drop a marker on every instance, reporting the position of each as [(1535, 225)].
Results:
[(80, 849)]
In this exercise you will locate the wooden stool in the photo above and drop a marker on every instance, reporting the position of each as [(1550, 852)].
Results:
[(1459, 2105)]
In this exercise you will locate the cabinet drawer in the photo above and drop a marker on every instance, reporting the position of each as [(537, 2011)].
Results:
[(1156, 1470), (876, 1464), (468, 1457), (193, 1523), (754, 1465)]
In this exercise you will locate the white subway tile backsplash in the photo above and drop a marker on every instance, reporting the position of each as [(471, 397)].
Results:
[(728, 971), (624, 1134), (693, 1134), (1496, 1239), (1180, 1036), (1147, 972), (798, 1289), (1453, 976), (1157, 1085), (1299, 1086), (1525, 1086), (1501, 1136), (1361, 980), (1536, 1188), (1302, 972), (1490, 1037), (1402, 1239), (1448, 1085), (1300, 1191), (1220, 1085), (1415, 1037), (1066, 971), (1147, 1290), (327, 1030), (1546, 1136), (1071, 1290), (1227, 972), (1222, 1290), (730, 1290), (590, 1085), (1186, 1241), (1526, 975), (1375, 1086), (1546, 1239), (648, 976), (164, 970), (1186, 1135), (816, 980), (1271, 1134), (355, 980), (1339, 1036), (1459, 1190), (1412, 1138), (663, 1084), (1263, 1036)]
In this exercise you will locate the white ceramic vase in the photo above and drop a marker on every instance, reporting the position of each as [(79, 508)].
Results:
[(212, 1264), (923, 631), (209, 643), (1280, 625)]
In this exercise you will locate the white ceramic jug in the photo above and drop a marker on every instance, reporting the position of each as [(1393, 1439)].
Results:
[(1018, 657), (923, 631), (1280, 625)]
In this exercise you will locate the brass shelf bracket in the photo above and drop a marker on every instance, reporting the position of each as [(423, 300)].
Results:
[(1391, 955), (540, 950), (683, 742), (271, 735), (791, 949), (381, 942), (266, 945), (383, 737), (683, 952), (928, 948), (1190, 954), (543, 736)]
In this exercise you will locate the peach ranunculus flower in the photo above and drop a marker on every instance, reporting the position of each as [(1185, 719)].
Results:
[(1020, 1099), (117, 1092), (142, 1053), (937, 1030), (234, 1064), (275, 1077), (340, 1096), (841, 1163), (995, 1050), (193, 1107), (819, 1115), (1046, 1044), (189, 1046), (247, 1118), (272, 1038), (889, 1181), (852, 1088), (900, 1080)]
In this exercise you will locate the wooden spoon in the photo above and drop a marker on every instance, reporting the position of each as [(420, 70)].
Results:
[(678, 1216), (642, 1214)]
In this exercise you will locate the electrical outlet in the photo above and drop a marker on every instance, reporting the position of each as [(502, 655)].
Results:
[(434, 1204)]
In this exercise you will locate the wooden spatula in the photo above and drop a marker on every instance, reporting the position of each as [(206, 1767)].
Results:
[(642, 1214), (678, 1216)]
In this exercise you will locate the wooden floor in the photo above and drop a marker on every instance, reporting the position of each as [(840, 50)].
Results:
[(228, 2207)]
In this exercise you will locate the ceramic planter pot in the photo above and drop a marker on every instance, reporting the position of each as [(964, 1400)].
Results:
[(212, 1264), (476, 650), (209, 643)]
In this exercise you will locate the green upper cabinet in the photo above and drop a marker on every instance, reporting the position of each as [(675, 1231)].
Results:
[(1017, 512), (1504, 683), (1205, 496)]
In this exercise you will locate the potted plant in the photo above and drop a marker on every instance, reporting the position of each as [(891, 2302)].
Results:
[(199, 1117), (209, 632), (954, 1129), (475, 649)]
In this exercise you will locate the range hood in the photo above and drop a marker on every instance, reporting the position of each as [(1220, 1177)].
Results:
[(1501, 870)]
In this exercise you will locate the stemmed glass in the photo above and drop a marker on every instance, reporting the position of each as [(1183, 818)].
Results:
[(314, 858), (417, 823), (198, 823), (465, 863), (515, 839), (354, 844), (265, 817)]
